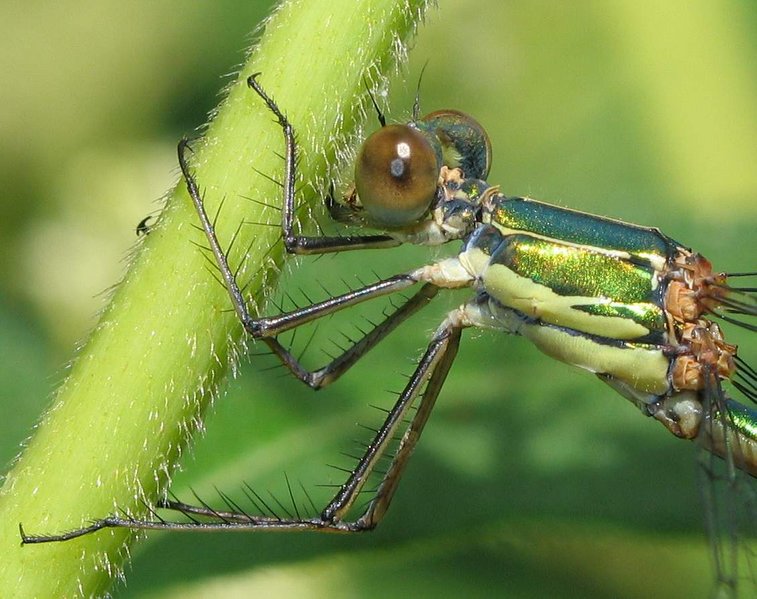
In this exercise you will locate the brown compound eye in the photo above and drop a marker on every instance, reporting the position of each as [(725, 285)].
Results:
[(396, 175)]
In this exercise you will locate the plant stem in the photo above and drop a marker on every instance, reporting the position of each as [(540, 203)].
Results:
[(139, 387)]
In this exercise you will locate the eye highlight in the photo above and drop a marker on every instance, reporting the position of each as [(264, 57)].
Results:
[(396, 175)]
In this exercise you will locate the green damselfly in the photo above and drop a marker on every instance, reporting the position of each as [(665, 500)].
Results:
[(625, 302)]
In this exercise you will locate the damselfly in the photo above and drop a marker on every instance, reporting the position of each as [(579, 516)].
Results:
[(622, 301)]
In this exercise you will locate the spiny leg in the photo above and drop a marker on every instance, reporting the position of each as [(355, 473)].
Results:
[(432, 371), (327, 374), (448, 273), (429, 374), (293, 243), (299, 244), (267, 328), (433, 367)]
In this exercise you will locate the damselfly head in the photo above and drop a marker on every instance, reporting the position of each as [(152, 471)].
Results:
[(397, 171)]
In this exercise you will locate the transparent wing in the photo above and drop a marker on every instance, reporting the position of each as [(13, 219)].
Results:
[(730, 502)]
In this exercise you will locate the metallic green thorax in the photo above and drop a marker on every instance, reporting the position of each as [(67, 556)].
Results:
[(593, 299), (594, 275)]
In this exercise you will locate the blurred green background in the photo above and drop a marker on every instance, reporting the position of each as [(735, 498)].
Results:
[(531, 479)]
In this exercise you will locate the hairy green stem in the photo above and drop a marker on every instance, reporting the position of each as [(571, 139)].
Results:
[(139, 387)]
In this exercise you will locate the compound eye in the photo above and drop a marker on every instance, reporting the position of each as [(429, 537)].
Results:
[(396, 175), (464, 141)]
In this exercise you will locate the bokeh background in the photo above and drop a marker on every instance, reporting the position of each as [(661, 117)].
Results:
[(531, 479)]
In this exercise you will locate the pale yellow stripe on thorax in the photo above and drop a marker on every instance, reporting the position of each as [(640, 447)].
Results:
[(539, 301)]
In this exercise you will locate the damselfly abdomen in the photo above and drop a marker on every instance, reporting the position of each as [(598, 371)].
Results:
[(625, 302)]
